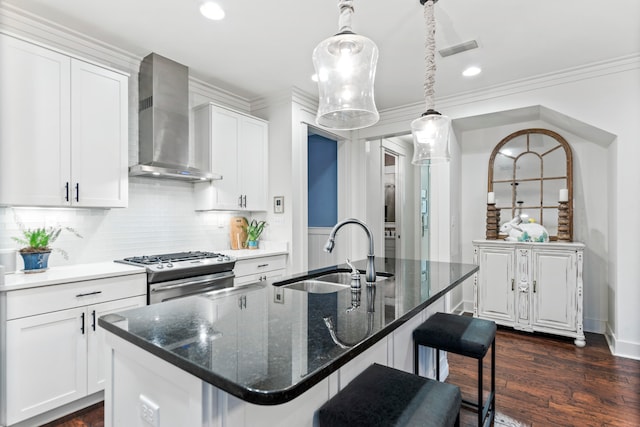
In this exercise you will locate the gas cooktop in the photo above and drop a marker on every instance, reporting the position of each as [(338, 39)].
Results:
[(181, 264)]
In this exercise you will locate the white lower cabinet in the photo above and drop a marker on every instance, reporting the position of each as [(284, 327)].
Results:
[(534, 287), (259, 269), (55, 351)]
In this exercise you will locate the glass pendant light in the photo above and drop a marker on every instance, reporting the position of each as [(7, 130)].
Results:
[(431, 130), (345, 70)]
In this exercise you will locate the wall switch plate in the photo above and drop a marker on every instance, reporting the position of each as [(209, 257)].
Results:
[(278, 204), (149, 411)]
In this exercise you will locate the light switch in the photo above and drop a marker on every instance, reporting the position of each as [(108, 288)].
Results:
[(278, 204)]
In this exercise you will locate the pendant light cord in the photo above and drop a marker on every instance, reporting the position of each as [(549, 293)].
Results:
[(346, 11), (430, 55)]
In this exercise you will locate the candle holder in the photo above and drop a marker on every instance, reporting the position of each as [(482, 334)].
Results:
[(564, 219), (493, 221)]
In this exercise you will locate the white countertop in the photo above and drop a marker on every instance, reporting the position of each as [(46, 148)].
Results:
[(99, 270), (241, 254), (67, 274)]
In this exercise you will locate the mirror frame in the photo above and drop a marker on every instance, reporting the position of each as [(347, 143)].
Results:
[(569, 168)]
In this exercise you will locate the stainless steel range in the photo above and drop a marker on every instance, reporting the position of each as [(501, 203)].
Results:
[(177, 275)]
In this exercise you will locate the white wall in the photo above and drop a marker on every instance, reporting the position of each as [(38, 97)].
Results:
[(605, 97)]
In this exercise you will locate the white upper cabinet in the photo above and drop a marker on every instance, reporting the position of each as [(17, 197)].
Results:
[(99, 144), (63, 129), (239, 152)]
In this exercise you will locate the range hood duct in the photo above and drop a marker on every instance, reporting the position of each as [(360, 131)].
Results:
[(163, 119)]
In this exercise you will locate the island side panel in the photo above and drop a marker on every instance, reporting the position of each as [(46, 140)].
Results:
[(138, 380)]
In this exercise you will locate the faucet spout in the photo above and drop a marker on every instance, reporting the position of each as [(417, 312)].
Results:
[(370, 275)]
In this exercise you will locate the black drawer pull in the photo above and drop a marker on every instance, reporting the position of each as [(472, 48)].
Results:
[(93, 320), (82, 326), (66, 189), (87, 294), (263, 265), (77, 192)]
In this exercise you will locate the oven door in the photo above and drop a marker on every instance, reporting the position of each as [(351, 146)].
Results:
[(165, 291)]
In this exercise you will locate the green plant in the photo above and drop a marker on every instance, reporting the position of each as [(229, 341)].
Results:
[(39, 239), (254, 229)]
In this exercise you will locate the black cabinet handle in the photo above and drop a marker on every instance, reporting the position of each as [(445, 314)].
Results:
[(89, 293), (66, 189), (82, 327), (77, 192), (93, 320)]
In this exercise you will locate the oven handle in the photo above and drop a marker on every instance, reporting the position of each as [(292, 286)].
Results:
[(208, 278)]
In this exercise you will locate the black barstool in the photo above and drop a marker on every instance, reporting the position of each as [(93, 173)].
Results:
[(467, 336), (381, 396)]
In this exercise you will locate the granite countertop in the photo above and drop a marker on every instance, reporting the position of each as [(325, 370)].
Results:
[(266, 344), (67, 274)]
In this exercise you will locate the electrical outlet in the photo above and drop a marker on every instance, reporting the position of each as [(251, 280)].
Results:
[(149, 411)]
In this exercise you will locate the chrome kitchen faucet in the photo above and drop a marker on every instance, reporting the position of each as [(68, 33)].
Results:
[(370, 275)]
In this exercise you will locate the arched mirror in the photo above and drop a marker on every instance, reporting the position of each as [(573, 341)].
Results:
[(530, 171)]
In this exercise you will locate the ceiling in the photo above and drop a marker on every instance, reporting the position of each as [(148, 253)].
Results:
[(265, 47)]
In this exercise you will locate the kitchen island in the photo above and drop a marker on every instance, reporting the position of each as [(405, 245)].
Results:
[(266, 354)]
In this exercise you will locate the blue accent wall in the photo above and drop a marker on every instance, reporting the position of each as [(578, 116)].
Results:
[(322, 181)]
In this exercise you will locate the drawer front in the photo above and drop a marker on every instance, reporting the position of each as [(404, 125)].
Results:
[(45, 299), (258, 277), (259, 265)]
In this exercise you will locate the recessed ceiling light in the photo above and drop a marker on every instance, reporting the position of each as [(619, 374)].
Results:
[(472, 71), (212, 11)]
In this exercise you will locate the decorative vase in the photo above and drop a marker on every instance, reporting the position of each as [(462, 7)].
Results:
[(252, 244), (35, 262)]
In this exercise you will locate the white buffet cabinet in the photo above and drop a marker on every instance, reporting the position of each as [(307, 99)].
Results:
[(53, 358), (533, 287)]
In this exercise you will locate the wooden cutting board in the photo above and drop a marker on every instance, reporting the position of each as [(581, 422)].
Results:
[(237, 233)]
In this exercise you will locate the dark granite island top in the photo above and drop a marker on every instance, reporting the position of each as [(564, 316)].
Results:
[(267, 344)]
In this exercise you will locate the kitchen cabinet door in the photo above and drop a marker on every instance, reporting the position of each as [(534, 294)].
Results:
[(96, 357), (99, 149), (554, 289), (495, 285), (253, 163), (46, 362), (35, 117), (224, 139)]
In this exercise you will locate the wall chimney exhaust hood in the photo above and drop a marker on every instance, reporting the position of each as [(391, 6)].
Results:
[(163, 117)]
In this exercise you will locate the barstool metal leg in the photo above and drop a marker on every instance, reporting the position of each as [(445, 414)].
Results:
[(480, 388), (437, 364), (416, 347)]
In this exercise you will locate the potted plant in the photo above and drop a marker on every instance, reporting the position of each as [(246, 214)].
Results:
[(36, 250), (254, 230)]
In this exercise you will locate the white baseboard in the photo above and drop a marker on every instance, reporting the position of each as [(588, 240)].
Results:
[(621, 348)]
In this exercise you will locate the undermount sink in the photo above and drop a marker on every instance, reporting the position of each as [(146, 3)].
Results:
[(316, 286), (345, 277), (330, 282)]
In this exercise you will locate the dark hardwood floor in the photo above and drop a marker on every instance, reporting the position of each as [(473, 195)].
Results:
[(541, 381), (548, 381)]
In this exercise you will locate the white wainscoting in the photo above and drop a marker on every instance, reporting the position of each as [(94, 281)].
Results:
[(317, 237)]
